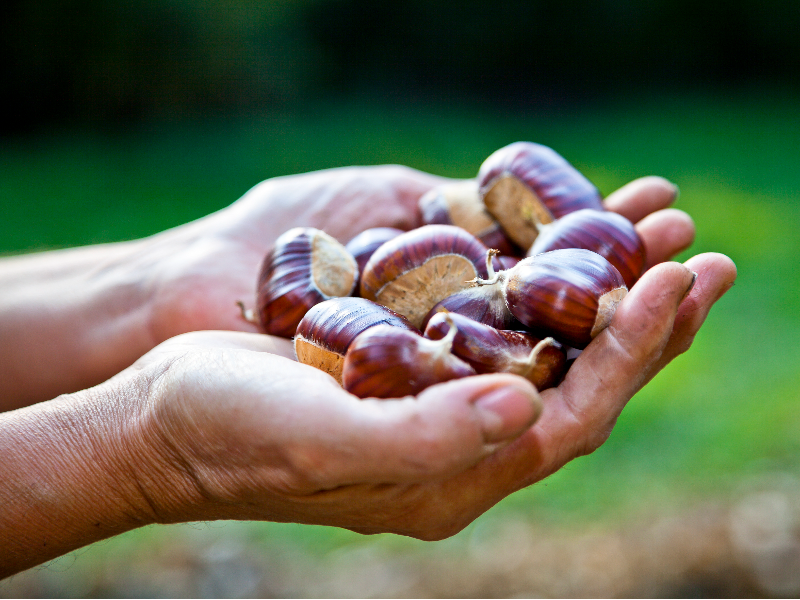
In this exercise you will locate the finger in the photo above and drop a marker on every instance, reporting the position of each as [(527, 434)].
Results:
[(583, 409), (445, 430), (665, 233), (716, 274), (642, 197)]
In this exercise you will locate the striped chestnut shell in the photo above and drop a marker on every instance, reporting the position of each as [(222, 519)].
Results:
[(459, 203), (490, 350), (483, 303), (417, 269), (569, 294), (326, 331), (303, 268), (609, 234), (363, 246), (525, 185), (390, 362)]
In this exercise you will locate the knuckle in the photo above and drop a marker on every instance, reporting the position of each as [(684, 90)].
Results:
[(304, 470)]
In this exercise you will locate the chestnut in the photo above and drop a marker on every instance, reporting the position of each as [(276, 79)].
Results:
[(525, 185), (483, 303), (304, 267), (327, 329), (365, 243), (609, 234), (417, 269), (390, 362), (490, 350), (459, 203), (568, 294)]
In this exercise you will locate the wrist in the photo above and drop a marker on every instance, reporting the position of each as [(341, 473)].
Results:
[(65, 478), (70, 319)]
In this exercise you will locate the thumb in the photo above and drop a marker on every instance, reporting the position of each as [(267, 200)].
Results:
[(445, 430)]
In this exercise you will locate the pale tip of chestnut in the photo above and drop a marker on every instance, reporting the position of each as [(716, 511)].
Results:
[(606, 307)]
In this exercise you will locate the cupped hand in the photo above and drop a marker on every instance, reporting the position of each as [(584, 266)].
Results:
[(253, 435)]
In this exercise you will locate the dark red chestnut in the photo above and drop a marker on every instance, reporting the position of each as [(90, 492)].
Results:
[(525, 185), (328, 328), (365, 243), (459, 203), (610, 235), (304, 267), (570, 295), (490, 350), (417, 269), (389, 362), (483, 303)]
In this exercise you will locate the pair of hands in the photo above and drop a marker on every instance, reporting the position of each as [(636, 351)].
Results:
[(244, 432)]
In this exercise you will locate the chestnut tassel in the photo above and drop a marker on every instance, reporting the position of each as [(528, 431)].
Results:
[(491, 350), (483, 303), (569, 294)]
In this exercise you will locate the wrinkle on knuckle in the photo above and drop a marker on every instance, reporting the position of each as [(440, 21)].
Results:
[(306, 469)]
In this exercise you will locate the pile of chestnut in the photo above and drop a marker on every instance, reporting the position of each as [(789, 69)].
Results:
[(511, 270)]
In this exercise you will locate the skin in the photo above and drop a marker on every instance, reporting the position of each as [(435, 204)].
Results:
[(157, 427)]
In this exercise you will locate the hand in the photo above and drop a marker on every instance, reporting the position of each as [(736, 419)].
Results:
[(208, 265), (70, 319), (220, 425), (423, 467)]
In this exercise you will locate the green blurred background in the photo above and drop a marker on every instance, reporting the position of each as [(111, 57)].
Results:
[(122, 119)]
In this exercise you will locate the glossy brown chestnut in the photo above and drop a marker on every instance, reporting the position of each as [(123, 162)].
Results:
[(328, 328), (304, 267), (490, 350), (363, 246), (483, 303), (610, 235), (570, 294), (525, 185), (415, 270), (389, 362), (459, 203)]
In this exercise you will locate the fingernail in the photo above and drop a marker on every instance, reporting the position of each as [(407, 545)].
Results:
[(506, 412), (691, 286), (677, 192), (725, 289)]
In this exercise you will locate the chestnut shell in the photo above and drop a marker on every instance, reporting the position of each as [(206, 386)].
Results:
[(304, 267), (560, 186), (484, 304), (569, 294), (363, 246), (490, 350), (608, 234), (459, 203), (525, 185), (415, 270), (328, 328), (388, 362)]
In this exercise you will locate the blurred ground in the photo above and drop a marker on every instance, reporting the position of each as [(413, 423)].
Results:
[(746, 547), (696, 492)]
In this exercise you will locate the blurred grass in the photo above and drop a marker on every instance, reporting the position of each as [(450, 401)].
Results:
[(717, 416)]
